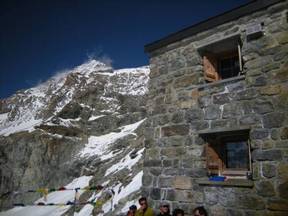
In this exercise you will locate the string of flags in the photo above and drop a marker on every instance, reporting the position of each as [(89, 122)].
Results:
[(98, 203), (49, 190), (45, 191)]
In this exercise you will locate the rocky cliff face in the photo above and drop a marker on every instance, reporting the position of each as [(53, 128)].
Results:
[(82, 122)]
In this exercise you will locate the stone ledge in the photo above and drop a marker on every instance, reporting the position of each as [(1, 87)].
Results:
[(220, 82), (240, 129), (228, 183)]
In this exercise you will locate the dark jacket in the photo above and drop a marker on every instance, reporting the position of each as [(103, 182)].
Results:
[(166, 214)]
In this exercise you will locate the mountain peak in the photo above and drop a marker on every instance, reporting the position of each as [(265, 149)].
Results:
[(90, 66)]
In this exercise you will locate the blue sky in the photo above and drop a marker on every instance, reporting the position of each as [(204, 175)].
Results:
[(40, 37)]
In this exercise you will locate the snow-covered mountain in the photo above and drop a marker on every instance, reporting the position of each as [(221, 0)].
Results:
[(81, 127)]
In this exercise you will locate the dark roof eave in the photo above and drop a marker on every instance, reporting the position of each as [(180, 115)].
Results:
[(210, 23)]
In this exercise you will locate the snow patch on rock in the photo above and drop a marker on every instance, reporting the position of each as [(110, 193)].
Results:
[(122, 192), (126, 162), (98, 145)]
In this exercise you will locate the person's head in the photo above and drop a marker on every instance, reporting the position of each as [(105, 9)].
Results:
[(178, 212), (200, 211), (133, 208), (143, 203), (164, 208)]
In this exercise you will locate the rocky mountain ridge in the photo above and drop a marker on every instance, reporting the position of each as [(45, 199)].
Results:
[(82, 122)]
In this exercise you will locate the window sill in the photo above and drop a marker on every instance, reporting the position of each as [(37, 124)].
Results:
[(229, 183), (220, 82)]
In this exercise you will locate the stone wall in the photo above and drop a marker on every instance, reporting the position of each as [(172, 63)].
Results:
[(181, 104)]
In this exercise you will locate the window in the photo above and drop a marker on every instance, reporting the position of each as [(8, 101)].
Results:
[(229, 67), (228, 153), (222, 60)]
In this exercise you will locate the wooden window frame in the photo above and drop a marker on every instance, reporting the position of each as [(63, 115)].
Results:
[(215, 155), (211, 62)]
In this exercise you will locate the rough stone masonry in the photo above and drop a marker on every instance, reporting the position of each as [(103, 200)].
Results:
[(181, 105)]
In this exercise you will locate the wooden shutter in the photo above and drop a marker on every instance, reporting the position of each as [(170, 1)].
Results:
[(213, 161), (210, 68)]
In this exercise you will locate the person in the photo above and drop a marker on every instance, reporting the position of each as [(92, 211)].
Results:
[(144, 209), (132, 210), (200, 211), (130, 213), (178, 212), (164, 209)]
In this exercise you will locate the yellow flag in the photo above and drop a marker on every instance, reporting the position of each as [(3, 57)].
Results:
[(77, 195), (45, 193), (98, 203)]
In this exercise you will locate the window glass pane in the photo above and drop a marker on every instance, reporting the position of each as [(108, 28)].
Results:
[(237, 155), (229, 67)]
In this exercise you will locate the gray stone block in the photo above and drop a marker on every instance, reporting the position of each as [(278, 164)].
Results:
[(172, 171), (173, 152), (195, 172), (263, 107), (225, 123), (269, 170), (274, 120), (179, 195), (199, 125), (268, 155), (234, 212), (283, 190), (160, 120), (250, 119), (246, 94), (165, 182), (250, 202), (204, 101), (174, 130), (155, 193), (155, 171), (194, 115), (259, 133), (178, 117), (167, 163), (171, 141), (265, 189), (277, 204), (212, 112), (231, 110), (152, 163), (284, 133), (221, 98), (147, 180)]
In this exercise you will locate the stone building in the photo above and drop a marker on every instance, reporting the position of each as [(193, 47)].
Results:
[(218, 106)]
